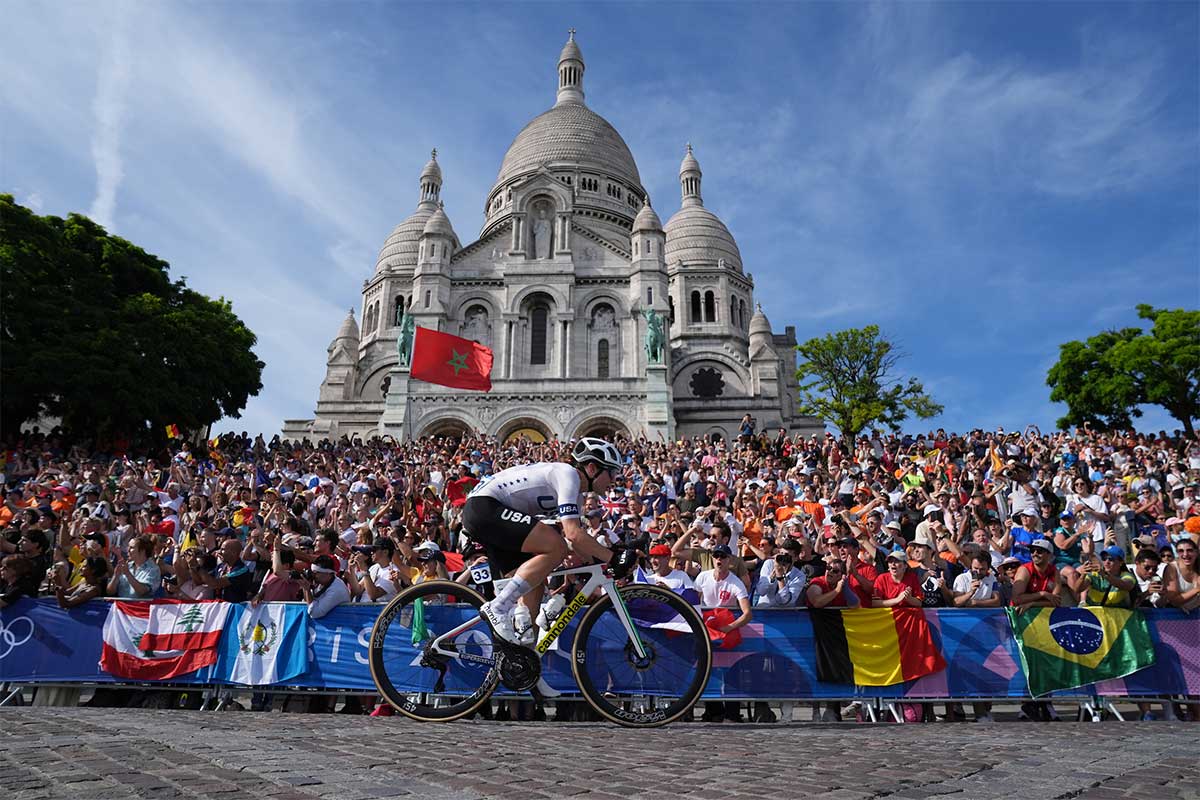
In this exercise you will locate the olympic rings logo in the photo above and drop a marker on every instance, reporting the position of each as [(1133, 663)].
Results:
[(14, 634)]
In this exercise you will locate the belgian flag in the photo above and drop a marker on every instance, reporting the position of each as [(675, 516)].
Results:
[(874, 646)]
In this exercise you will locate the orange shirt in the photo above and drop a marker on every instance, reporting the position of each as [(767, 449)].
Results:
[(784, 513), (64, 506), (814, 508)]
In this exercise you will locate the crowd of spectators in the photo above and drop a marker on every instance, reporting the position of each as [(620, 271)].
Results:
[(989, 518)]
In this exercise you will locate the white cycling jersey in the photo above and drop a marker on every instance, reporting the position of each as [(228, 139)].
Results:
[(549, 489)]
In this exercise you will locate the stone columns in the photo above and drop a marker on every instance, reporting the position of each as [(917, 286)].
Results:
[(568, 346), (509, 344), (396, 419), (659, 419), (517, 244), (562, 233)]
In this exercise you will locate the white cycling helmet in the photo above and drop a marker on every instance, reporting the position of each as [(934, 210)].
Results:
[(601, 452)]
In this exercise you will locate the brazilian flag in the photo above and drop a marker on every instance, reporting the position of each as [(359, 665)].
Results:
[(1062, 648)]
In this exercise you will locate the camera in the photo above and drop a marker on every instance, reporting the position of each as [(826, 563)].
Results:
[(295, 575), (365, 549), (170, 580)]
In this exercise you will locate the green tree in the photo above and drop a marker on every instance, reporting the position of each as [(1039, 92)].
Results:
[(847, 378), (94, 331), (1106, 378)]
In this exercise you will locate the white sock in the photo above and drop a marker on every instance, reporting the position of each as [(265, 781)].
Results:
[(507, 597)]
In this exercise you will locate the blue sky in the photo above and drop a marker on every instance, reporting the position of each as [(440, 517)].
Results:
[(983, 181)]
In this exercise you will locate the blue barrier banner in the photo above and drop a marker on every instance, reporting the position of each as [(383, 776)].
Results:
[(39, 642)]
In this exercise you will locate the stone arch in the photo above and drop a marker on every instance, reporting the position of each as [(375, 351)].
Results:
[(521, 298), (524, 420), (448, 424), (735, 381), (476, 298), (369, 388), (543, 194), (600, 423), (537, 333), (604, 340), (477, 324), (716, 433), (620, 305)]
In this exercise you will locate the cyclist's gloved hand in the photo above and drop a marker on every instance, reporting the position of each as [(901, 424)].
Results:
[(623, 562)]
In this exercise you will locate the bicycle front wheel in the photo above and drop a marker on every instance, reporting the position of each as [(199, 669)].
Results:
[(420, 681), (662, 684)]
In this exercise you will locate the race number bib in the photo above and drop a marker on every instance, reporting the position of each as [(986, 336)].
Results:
[(481, 573)]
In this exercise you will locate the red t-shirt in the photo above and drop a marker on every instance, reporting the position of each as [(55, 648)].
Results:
[(823, 585), (276, 589), (887, 587), (869, 575)]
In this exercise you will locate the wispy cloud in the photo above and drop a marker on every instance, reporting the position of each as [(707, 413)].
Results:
[(108, 107), (31, 200), (980, 192)]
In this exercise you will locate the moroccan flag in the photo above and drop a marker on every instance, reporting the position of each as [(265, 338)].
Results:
[(129, 641), (457, 491), (172, 431), (874, 646), (451, 361), (1062, 648), (454, 561)]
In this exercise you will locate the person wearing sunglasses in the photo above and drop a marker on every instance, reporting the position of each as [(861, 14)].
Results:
[(1107, 583), (502, 512)]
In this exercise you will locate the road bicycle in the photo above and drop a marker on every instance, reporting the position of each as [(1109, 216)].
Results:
[(640, 655)]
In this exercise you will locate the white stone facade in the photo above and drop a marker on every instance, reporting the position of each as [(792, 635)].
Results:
[(569, 256)]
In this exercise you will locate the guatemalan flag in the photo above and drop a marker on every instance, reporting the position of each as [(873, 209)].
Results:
[(161, 640), (264, 644)]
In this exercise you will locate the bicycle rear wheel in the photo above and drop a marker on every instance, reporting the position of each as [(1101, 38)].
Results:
[(650, 691), (419, 682)]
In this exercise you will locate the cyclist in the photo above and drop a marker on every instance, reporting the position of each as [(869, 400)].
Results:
[(502, 512)]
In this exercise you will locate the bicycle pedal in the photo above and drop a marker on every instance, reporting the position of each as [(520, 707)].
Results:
[(520, 668)]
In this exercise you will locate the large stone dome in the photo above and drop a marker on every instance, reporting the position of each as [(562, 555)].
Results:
[(569, 134), (404, 243), (696, 235)]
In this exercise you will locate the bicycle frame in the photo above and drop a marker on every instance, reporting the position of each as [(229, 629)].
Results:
[(596, 580)]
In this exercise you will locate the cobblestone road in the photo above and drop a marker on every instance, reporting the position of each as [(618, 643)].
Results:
[(100, 754)]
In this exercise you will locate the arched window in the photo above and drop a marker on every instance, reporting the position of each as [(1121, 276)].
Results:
[(671, 311), (733, 315), (476, 326), (710, 306), (538, 320), (398, 310), (696, 308), (602, 359), (649, 295), (742, 315), (427, 297)]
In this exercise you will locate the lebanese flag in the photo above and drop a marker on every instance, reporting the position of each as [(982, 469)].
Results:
[(161, 640), (450, 361)]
